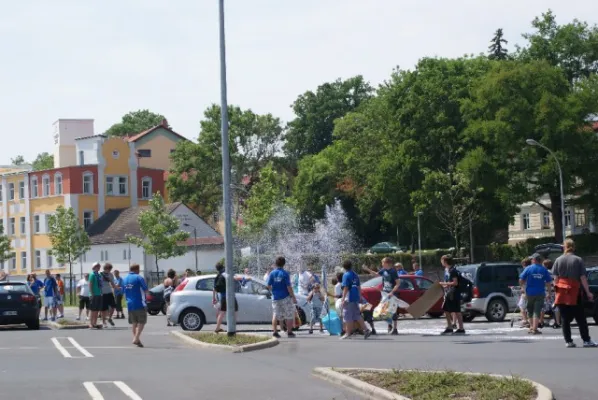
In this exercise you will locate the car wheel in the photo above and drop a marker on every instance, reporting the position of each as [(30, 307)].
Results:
[(164, 308), (33, 324), (437, 315), (192, 320), (468, 317), (153, 312), (497, 310)]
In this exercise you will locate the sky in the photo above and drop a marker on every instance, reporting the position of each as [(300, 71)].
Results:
[(102, 59)]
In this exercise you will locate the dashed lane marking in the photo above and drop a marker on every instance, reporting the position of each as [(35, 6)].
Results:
[(65, 353), (95, 393)]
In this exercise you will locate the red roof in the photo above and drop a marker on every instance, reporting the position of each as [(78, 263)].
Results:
[(163, 125), (204, 241)]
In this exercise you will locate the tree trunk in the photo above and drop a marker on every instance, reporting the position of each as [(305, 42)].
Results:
[(72, 300), (157, 269), (557, 221)]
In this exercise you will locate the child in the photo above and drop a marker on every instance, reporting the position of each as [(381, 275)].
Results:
[(368, 313), (522, 303), (316, 299), (338, 294)]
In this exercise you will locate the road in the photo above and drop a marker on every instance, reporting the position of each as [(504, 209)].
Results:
[(82, 364)]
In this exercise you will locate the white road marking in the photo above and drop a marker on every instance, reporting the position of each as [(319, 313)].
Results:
[(65, 353), (95, 393)]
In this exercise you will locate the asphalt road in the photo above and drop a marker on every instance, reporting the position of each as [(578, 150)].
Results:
[(81, 364)]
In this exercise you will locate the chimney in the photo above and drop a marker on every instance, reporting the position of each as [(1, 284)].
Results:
[(164, 123)]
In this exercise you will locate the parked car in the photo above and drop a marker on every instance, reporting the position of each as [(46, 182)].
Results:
[(411, 288), (492, 295), (155, 300), (385, 248), (191, 303), (549, 250), (18, 305)]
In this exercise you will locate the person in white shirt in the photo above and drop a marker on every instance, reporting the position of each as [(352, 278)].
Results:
[(306, 281), (83, 290)]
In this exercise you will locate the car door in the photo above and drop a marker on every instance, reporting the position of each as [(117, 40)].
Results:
[(407, 291), (506, 276), (202, 298), (254, 306), (592, 307)]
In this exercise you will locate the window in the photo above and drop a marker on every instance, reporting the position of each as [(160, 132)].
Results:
[(103, 255), (546, 219), (1, 190), (122, 185), (23, 228), (507, 273), (525, 221), (205, 284), (84, 257), (406, 284), (50, 260), (22, 190), (36, 224), (568, 218), (580, 218), (46, 186), (423, 284), (34, 188), (109, 185), (144, 153), (23, 259), (146, 188), (124, 254), (11, 230), (87, 183), (13, 261), (58, 184), (87, 219), (38, 259), (484, 274), (593, 278), (81, 157), (47, 223), (11, 191)]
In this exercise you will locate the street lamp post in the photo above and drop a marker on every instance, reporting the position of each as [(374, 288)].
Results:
[(533, 142), (419, 240), (228, 233), (194, 244)]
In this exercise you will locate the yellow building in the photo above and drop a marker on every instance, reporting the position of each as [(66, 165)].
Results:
[(91, 174)]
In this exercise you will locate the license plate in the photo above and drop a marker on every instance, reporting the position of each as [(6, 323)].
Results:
[(8, 313)]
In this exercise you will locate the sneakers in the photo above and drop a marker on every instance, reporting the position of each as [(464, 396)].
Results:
[(460, 332), (110, 321), (345, 336), (570, 345), (590, 343), (61, 316), (291, 335), (276, 335), (389, 328), (367, 334), (394, 332), (311, 331), (447, 331), (374, 332), (78, 318)]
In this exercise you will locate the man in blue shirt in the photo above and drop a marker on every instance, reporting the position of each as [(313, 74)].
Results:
[(283, 298), (417, 271), (350, 300), (135, 290), (535, 280), (50, 295), (36, 286), (390, 287)]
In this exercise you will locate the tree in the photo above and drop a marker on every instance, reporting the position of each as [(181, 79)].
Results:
[(18, 160), (135, 122), (68, 238), (496, 49), (573, 46), (516, 101), (265, 195), (311, 130), (43, 161), (5, 247), (161, 232)]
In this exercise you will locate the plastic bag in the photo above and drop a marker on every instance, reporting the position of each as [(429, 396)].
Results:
[(387, 307), (217, 306), (332, 323)]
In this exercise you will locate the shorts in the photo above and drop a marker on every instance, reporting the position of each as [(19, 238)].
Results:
[(283, 309), (59, 300), (351, 312), (138, 316), (108, 301), (83, 302), (535, 304), (49, 302), (452, 305), (316, 314), (222, 300), (96, 303)]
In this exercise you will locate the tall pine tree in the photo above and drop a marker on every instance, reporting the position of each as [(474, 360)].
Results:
[(496, 50)]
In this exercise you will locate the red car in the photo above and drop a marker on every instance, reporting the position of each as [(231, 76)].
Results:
[(411, 288)]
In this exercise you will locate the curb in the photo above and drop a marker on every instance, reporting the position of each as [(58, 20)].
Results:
[(374, 392), (54, 325), (234, 349)]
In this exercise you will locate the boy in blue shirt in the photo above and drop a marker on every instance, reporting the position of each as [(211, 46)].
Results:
[(283, 298), (135, 290), (50, 295), (535, 280), (350, 299)]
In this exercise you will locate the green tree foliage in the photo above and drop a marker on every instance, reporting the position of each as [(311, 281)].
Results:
[(497, 49), (161, 232), (43, 161), (573, 46), (18, 160), (266, 194), (135, 122), (5, 247), (516, 101), (196, 172), (68, 238), (311, 130)]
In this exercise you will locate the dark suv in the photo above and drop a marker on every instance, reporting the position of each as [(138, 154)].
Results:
[(492, 295)]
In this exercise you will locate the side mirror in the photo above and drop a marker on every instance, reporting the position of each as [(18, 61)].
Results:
[(264, 292)]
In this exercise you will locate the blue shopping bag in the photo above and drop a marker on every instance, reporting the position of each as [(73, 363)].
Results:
[(332, 323)]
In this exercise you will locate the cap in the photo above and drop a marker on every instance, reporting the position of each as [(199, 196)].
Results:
[(536, 256), (96, 264)]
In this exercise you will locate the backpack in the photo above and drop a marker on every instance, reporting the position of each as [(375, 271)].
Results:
[(220, 284), (465, 288)]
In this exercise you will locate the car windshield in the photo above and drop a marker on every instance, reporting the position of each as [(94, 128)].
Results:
[(6, 287), (372, 282)]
